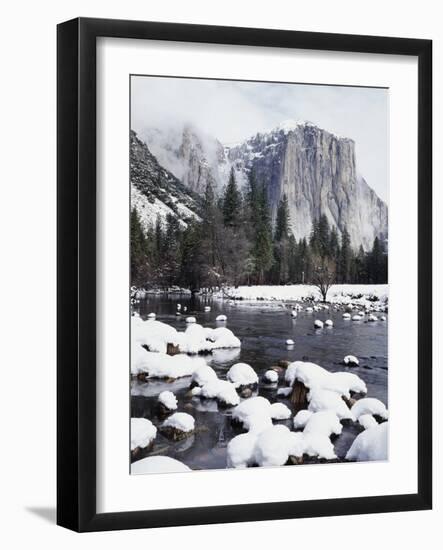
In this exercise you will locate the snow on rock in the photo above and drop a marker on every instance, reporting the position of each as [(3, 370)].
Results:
[(207, 309), (290, 342), (294, 313), (139, 359), (372, 318), (203, 375), (272, 446), (309, 309), (372, 444), (329, 323), (301, 418), (222, 390), (271, 376), (241, 450), (160, 365), (318, 445), (153, 334), (223, 338), (382, 318), (158, 465), (318, 323), (351, 361), (182, 422), (279, 411), (357, 317), (253, 413), (313, 376), (221, 318), (323, 423), (346, 316), (369, 405), (143, 433), (320, 400), (242, 374), (151, 316), (168, 400), (191, 320), (367, 421)]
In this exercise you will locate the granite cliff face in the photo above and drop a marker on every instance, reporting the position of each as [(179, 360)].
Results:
[(317, 171)]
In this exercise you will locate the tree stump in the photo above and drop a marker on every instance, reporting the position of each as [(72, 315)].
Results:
[(171, 349), (299, 395)]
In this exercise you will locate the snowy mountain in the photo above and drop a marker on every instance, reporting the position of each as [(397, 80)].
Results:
[(316, 169), (157, 192), (192, 156)]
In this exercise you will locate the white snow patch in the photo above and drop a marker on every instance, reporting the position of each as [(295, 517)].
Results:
[(372, 444), (271, 376), (143, 432), (168, 399), (369, 405), (221, 390), (301, 418), (180, 421), (242, 374), (367, 421), (158, 465), (279, 411)]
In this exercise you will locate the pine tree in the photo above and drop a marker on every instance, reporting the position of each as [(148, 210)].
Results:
[(282, 220), (138, 249), (345, 257), (232, 206), (262, 249)]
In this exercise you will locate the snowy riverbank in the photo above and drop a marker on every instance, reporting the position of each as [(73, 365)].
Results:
[(339, 294)]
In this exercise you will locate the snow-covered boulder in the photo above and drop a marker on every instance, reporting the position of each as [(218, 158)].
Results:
[(382, 318), (151, 315), (158, 465), (346, 316), (329, 323), (357, 317), (372, 444), (319, 446), (143, 433), (272, 446), (290, 342), (367, 421), (372, 318), (178, 426), (301, 419), (253, 413), (320, 400), (370, 405), (323, 423), (223, 338), (270, 376), (351, 361), (207, 309), (222, 390), (313, 376), (318, 323), (294, 313), (242, 374), (309, 309), (221, 318), (160, 365), (167, 401), (191, 319), (279, 411), (203, 375), (241, 450), (153, 334)]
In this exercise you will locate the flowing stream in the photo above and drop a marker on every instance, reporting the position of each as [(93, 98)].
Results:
[(263, 329)]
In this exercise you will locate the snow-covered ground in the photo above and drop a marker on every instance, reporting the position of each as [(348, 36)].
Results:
[(337, 294)]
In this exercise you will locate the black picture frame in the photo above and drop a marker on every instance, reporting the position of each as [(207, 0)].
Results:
[(76, 280)]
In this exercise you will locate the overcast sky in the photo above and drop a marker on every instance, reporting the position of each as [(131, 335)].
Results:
[(233, 111)]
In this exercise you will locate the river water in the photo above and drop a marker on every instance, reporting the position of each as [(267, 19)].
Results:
[(263, 329)]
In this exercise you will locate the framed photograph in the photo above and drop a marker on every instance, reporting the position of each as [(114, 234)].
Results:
[(244, 274)]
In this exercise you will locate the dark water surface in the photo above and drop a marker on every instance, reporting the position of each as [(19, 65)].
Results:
[(263, 329)]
